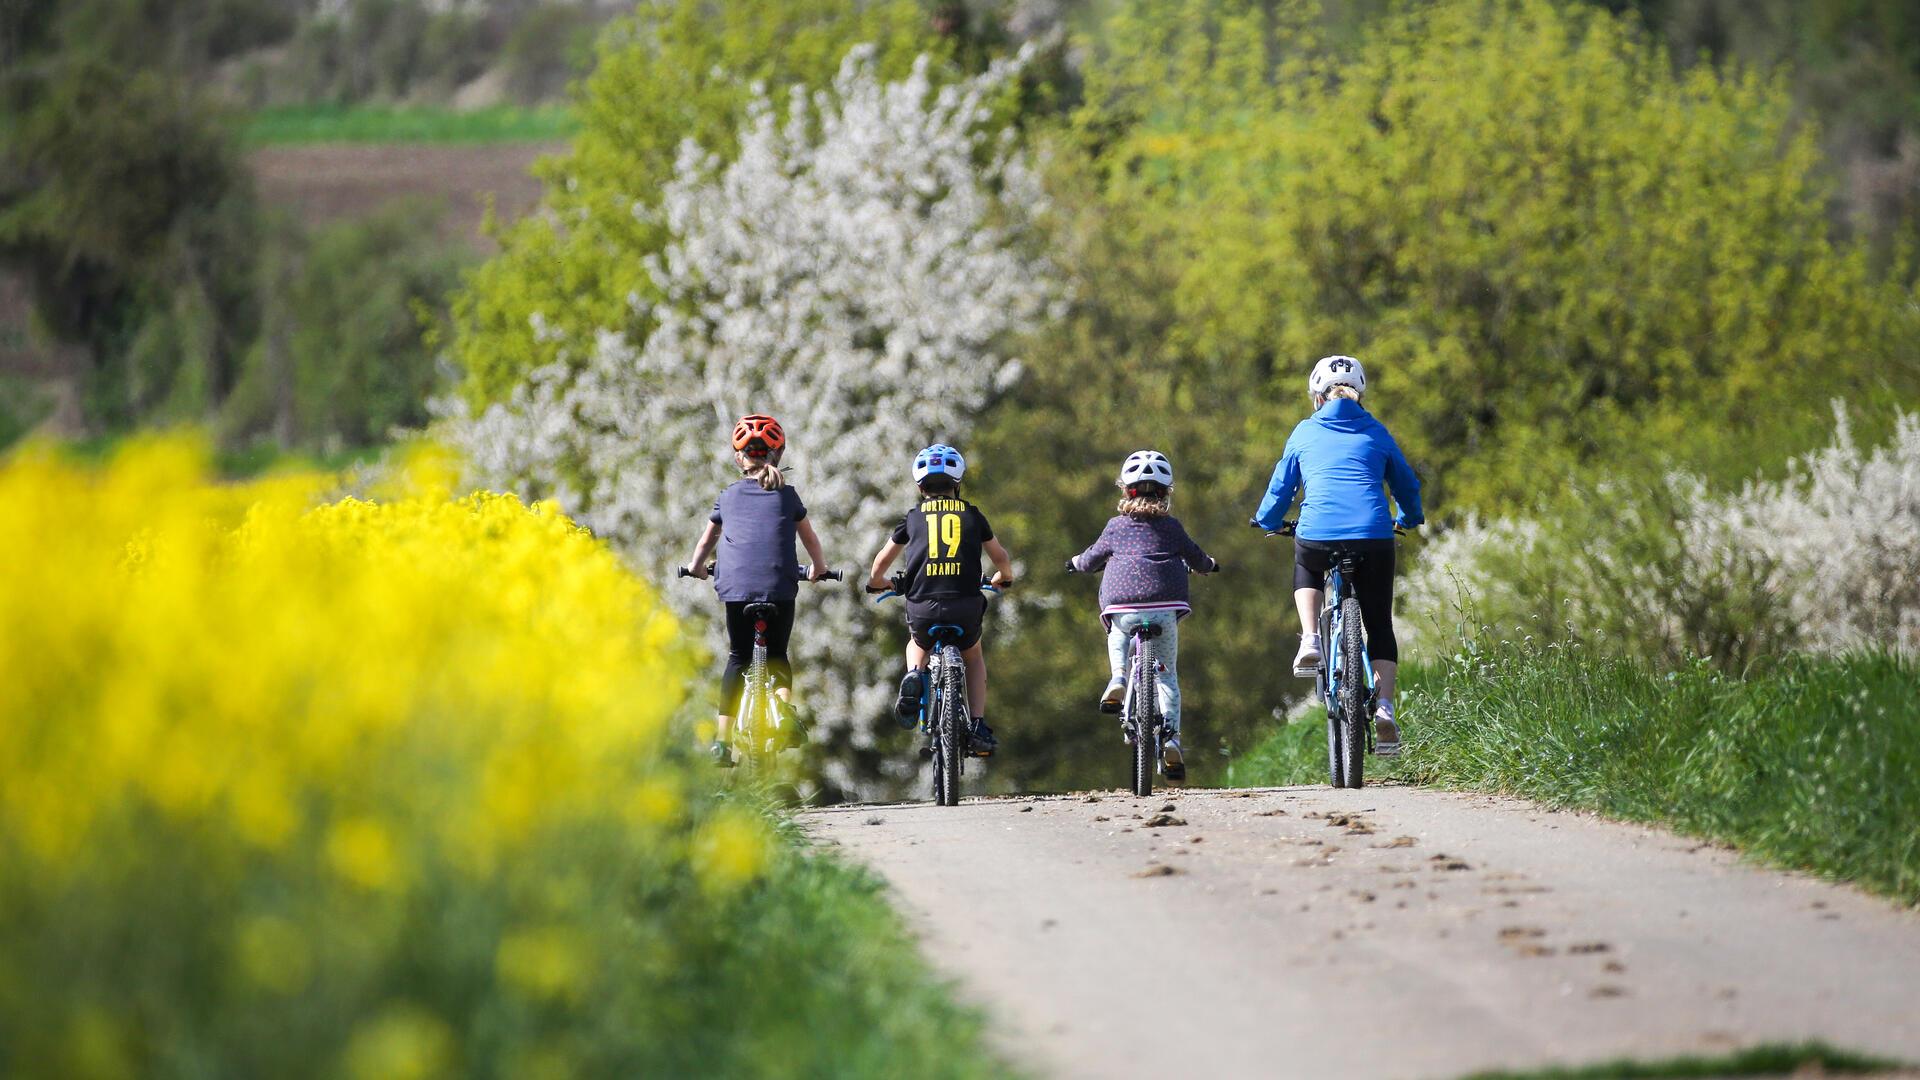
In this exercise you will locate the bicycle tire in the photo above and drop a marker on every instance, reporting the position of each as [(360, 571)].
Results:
[(1142, 709), (1353, 693), (947, 751), (1336, 761)]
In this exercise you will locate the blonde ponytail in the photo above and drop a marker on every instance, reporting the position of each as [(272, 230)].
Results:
[(767, 473), (1342, 390)]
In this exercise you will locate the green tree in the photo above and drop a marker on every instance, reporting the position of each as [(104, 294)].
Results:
[(125, 206), (671, 72), (1519, 210)]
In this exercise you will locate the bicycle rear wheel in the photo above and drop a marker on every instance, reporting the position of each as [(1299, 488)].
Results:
[(1142, 708), (947, 736), (1353, 693)]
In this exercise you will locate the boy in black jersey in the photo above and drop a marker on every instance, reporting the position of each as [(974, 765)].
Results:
[(943, 536)]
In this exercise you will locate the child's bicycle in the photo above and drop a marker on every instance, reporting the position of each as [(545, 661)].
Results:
[(759, 724), (1344, 679), (1141, 721), (944, 717)]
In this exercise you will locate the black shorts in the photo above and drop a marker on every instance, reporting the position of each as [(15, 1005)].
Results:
[(1372, 583), (965, 612)]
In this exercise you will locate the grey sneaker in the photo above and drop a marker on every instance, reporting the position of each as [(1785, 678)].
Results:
[(1386, 733), (1172, 764), (1110, 698)]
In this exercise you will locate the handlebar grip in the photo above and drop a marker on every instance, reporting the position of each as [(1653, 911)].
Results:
[(1072, 569), (683, 572), (833, 575)]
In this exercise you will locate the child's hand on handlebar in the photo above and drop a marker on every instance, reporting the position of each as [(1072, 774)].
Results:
[(878, 585), (999, 580)]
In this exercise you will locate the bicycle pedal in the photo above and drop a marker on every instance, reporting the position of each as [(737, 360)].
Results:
[(1308, 672), (1110, 707)]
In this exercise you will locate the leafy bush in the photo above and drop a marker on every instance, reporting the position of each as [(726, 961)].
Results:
[(1824, 559), (389, 789), (1810, 763), (342, 361)]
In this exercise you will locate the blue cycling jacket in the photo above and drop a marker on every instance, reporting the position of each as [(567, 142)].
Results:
[(1341, 455)]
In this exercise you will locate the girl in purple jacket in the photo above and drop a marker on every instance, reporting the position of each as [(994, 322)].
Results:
[(1146, 554)]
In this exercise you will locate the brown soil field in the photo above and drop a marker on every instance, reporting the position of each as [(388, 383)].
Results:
[(334, 182)]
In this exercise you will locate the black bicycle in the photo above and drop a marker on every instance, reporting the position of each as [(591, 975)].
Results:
[(759, 724), (944, 718), (1142, 723)]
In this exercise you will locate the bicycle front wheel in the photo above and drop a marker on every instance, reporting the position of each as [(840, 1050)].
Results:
[(1353, 693)]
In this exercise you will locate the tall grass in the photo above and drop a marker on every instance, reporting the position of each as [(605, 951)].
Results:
[(391, 789), (1808, 762), (302, 124)]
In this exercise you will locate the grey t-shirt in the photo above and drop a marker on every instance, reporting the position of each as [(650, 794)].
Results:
[(756, 559)]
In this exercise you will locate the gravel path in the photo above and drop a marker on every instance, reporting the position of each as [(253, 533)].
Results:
[(1388, 932)]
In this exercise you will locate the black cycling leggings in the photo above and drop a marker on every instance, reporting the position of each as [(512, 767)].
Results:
[(1372, 583), (740, 650)]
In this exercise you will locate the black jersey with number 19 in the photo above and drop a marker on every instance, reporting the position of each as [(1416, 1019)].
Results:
[(942, 536)]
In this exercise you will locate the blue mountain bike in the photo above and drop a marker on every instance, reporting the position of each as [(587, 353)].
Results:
[(1344, 679), (944, 717)]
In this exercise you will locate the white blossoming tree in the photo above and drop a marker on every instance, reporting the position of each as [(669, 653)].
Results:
[(856, 271)]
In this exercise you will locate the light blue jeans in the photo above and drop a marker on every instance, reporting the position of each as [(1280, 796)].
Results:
[(1166, 649)]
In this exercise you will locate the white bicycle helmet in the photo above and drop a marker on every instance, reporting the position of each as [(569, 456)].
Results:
[(1147, 466), (939, 460), (1334, 371)]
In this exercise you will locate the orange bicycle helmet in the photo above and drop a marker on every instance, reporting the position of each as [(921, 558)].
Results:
[(763, 430)]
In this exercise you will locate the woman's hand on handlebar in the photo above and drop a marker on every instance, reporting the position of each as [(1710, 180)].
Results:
[(697, 570), (815, 573)]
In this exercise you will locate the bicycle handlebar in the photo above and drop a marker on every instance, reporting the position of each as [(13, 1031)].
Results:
[(899, 585), (805, 573)]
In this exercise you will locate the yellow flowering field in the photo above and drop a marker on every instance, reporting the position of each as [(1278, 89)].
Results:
[(364, 788)]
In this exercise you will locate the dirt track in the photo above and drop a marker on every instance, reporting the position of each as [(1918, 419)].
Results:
[(1389, 932)]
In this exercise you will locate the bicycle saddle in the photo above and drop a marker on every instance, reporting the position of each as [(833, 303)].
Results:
[(761, 611), (943, 633)]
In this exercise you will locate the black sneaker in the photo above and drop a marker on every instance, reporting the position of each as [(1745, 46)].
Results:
[(980, 741), (721, 754), (795, 722), (907, 708)]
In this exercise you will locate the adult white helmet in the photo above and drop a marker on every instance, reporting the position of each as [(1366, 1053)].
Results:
[(1334, 371), (939, 460), (1147, 466)]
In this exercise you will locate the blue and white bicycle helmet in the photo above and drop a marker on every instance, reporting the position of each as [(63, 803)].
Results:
[(1147, 467), (939, 460)]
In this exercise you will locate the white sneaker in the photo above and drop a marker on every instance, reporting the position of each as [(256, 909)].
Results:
[(1110, 700), (1386, 733), (1306, 662)]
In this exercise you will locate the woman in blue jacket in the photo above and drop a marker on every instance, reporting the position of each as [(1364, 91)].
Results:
[(1339, 459)]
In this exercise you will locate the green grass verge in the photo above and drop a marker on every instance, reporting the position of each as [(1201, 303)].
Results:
[(303, 124), (1810, 763), (1777, 1060), (815, 975)]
